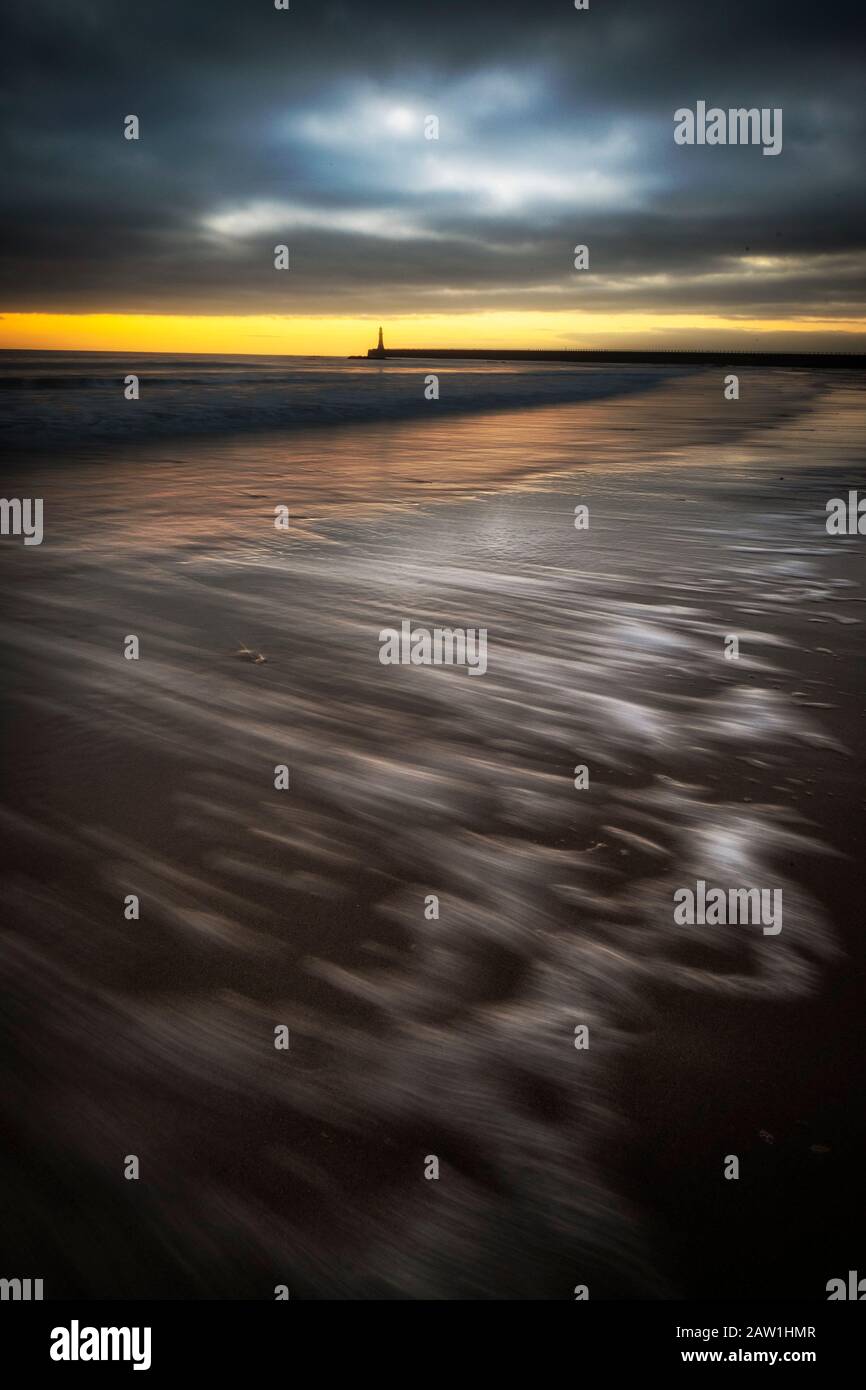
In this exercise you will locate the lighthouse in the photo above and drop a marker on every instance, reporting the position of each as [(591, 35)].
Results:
[(379, 349)]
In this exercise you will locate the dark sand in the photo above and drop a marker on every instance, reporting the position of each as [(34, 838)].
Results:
[(413, 1037)]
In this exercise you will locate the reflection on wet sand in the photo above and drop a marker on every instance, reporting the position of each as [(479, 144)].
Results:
[(409, 1036)]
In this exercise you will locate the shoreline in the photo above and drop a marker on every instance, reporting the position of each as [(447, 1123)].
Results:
[(305, 908)]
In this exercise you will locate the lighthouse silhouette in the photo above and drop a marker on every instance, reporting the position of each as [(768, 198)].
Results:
[(379, 349)]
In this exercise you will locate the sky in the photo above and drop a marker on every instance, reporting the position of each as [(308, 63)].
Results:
[(306, 128)]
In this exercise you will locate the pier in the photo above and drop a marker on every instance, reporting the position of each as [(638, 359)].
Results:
[(636, 357)]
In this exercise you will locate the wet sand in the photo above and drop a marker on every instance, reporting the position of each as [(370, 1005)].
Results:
[(412, 1037)]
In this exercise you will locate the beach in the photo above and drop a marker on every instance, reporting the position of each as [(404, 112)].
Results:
[(411, 1035)]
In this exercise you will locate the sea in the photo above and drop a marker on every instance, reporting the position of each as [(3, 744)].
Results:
[(431, 898)]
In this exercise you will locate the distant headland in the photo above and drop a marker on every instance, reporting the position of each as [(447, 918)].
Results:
[(665, 356)]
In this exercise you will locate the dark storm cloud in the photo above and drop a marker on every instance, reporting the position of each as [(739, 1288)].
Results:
[(305, 127)]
